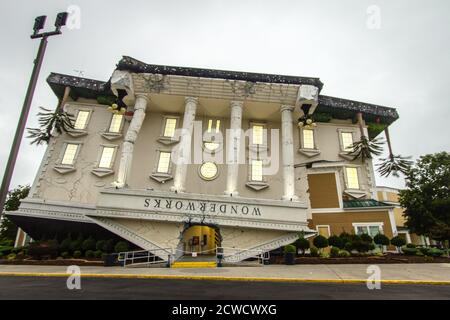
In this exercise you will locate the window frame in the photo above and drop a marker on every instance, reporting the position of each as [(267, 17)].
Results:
[(323, 226), (122, 122), (165, 139), (341, 140), (208, 178), (264, 144), (88, 119), (380, 226), (302, 139), (358, 174), (113, 157), (66, 168), (158, 159)]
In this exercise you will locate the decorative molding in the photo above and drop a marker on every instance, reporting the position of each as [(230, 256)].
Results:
[(358, 194), (161, 177), (64, 169), (77, 133), (111, 135), (102, 172), (257, 185), (168, 140), (309, 152)]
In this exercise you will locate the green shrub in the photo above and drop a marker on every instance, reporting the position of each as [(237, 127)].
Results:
[(334, 252), (435, 252), (122, 246), (361, 246), (77, 254), (346, 237), (6, 243), (5, 250), (411, 245), (98, 253), (355, 237), (76, 245), (381, 240), (287, 249), (100, 245), (398, 241), (344, 254), (320, 242), (322, 117), (89, 254), (88, 244), (302, 244), (314, 252), (372, 246), (1, 255), (409, 251), (11, 256), (336, 241), (348, 246), (109, 246), (65, 255), (424, 250), (366, 238), (65, 245)]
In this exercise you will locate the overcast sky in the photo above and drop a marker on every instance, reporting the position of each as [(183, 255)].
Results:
[(401, 60)]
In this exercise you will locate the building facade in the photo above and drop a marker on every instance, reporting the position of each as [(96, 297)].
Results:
[(206, 158)]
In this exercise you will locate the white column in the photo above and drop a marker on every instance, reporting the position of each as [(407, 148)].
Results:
[(184, 147), (126, 156), (287, 150), (233, 147)]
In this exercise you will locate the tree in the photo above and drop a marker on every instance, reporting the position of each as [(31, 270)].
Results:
[(8, 230), (302, 244), (426, 198), (320, 242), (336, 241), (381, 240), (398, 241)]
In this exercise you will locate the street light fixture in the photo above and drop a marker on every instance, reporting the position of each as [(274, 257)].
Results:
[(39, 24)]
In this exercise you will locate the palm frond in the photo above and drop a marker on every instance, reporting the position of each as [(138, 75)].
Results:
[(366, 149), (50, 120), (394, 165)]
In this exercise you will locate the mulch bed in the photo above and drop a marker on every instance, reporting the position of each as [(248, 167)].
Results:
[(67, 262), (388, 258)]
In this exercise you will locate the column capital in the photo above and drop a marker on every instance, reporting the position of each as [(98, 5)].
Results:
[(286, 107), (191, 100), (236, 104), (143, 96)]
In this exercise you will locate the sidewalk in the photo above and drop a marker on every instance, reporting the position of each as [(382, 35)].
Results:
[(435, 273)]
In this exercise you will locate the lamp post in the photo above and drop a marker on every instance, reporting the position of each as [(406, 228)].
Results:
[(39, 24)]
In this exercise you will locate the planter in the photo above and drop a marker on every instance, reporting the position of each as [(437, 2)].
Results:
[(289, 258)]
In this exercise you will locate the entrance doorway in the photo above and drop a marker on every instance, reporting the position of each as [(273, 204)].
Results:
[(201, 240)]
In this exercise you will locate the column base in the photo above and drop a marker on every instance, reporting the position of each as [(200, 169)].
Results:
[(118, 185), (289, 198), (177, 190), (231, 193)]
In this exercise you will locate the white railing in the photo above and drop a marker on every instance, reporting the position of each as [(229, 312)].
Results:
[(235, 255), (143, 257)]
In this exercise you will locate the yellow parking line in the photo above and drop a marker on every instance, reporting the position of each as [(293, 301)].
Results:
[(218, 278)]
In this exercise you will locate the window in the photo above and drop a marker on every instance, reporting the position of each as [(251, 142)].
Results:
[(257, 134), (69, 154), (347, 141), (211, 146), (163, 162), (106, 158), (371, 230), (81, 120), (308, 139), (116, 123), (257, 170), (352, 178), (216, 129), (169, 128), (208, 171), (324, 230)]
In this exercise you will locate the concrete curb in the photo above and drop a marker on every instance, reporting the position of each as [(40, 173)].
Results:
[(219, 278)]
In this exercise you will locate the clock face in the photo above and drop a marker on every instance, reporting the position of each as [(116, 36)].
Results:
[(208, 171)]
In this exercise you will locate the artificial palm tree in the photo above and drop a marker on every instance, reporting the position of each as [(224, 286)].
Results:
[(393, 164), (50, 121), (365, 148)]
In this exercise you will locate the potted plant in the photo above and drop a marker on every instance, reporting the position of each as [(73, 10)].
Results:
[(289, 254)]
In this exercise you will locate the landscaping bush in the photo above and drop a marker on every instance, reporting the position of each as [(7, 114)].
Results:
[(334, 252), (366, 238), (98, 254), (361, 246), (348, 246), (109, 246), (43, 249), (314, 252), (336, 241), (424, 250), (77, 254), (411, 245), (11, 256), (122, 246), (409, 251), (100, 245), (344, 254), (435, 252), (1, 255), (5, 250), (76, 245), (65, 255), (287, 249), (64, 246), (320, 242), (302, 244), (398, 241), (381, 240), (345, 237), (89, 254), (88, 244), (6, 243)]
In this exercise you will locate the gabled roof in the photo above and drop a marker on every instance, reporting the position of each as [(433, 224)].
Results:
[(364, 203)]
